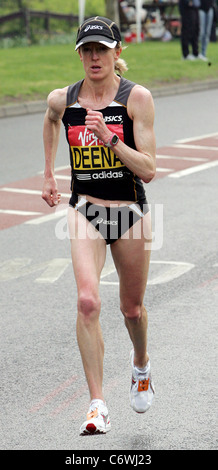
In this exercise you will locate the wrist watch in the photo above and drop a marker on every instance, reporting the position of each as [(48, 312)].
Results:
[(114, 139)]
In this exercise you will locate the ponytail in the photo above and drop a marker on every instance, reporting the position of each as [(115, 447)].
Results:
[(120, 64)]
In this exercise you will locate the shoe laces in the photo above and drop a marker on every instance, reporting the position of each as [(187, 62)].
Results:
[(97, 407), (142, 374), (143, 377)]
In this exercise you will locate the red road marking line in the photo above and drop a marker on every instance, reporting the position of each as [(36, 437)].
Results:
[(53, 394)]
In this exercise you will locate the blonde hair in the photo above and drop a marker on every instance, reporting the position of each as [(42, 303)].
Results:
[(120, 64)]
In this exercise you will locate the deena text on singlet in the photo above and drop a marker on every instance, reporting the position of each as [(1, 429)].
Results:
[(93, 158)]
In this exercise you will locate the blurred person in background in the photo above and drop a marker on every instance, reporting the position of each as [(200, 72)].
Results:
[(189, 10), (206, 14)]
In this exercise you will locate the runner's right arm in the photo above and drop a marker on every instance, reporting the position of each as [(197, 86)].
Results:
[(51, 132)]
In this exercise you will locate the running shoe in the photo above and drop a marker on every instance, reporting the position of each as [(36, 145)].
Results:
[(202, 57), (190, 57), (97, 421), (142, 388)]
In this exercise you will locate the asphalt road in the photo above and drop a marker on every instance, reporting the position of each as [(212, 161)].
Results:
[(44, 396)]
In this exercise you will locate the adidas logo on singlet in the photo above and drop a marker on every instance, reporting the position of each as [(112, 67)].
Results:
[(101, 175), (107, 174)]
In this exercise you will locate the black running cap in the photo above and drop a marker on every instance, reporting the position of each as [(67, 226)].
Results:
[(98, 29)]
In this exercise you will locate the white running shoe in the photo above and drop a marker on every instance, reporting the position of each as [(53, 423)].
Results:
[(190, 57), (202, 57), (142, 388), (97, 421)]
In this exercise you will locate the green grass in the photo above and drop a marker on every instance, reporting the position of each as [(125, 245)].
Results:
[(30, 73), (68, 6), (160, 63), (14, 31)]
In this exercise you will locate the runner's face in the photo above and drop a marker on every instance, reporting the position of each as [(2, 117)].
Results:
[(98, 60)]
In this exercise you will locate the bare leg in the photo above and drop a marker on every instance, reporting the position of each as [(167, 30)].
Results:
[(138, 334), (132, 263), (88, 257)]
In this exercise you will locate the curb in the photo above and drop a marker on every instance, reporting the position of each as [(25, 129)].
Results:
[(28, 107), (33, 107), (179, 89)]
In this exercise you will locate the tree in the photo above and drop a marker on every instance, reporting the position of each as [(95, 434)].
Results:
[(112, 10)]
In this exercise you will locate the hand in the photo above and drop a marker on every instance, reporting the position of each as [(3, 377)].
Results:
[(94, 122), (49, 191)]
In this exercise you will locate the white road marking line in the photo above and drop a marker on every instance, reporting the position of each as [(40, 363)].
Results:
[(109, 283), (63, 177), (107, 270), (16, 268), (174, 269), (162, 170), (194, 147), (28, 191), (171, 157), (15, 212), (200, 137), (47, 218), (193, 169), (63, 167), (58, 168), (54, 270)]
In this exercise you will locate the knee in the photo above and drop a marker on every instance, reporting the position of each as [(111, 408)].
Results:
[(132, 312), (89, 305)]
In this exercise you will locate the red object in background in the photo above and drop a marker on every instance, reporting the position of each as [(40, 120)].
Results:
[(132, 37)]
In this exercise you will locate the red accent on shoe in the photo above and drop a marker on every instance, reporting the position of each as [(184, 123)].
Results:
[(91, 428)]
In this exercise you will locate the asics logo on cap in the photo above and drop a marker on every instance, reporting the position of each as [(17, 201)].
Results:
[(92, 27), (98, 29)]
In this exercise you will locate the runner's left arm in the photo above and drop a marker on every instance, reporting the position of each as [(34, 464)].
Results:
[(140, 108)]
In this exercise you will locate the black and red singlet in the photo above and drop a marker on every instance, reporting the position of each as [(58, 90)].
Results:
[(96, 170)]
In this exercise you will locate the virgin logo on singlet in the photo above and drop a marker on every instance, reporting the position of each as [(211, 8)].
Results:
[(81, 136), (86, 137)]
